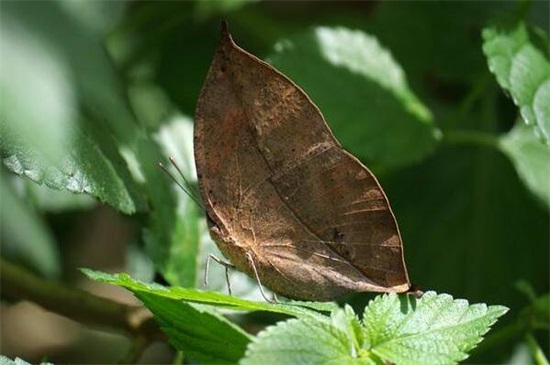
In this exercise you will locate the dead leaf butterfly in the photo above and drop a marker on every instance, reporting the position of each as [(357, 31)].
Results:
[(283, 199)]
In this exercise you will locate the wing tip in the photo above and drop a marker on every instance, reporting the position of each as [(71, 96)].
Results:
[(225, 35)]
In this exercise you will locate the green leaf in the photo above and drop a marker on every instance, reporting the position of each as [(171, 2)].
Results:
[(92, 79), (347, 321), (523, 71), (205, 9), (445, 39), (7, 361), (180, 267), (57, 201), (25, 61), (172, 233), (60, 70), (355, 81), (158, 232), (200, 334), (91, 164), (521, 355), (97, 16), (302, 341), (537, 314), (25, 237), (530, 157), (195, 296), (435, 329)]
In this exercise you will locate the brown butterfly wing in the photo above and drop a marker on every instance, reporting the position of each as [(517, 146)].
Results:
[(278, 186)]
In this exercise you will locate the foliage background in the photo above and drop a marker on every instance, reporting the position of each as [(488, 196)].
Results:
[(95, 93)]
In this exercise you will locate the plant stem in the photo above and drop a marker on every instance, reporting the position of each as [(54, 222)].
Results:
[(178, 358), (466, 105), (471, 137), (77, 304), (133, 354), (538, 354)]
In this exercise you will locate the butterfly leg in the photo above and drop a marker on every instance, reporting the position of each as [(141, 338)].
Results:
[(225, 264), (251, 261)]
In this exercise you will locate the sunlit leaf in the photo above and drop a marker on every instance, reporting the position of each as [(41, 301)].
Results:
[(356, 82), (522, 70), (531, 159)]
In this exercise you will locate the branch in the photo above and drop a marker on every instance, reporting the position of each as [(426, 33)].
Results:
[(77, 304)]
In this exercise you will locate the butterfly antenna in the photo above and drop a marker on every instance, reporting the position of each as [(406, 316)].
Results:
[(187, 183), (187, 190)]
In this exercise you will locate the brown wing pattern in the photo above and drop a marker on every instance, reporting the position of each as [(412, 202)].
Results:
[(276, 184)]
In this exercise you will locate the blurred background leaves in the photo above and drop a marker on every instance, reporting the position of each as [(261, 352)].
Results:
[(95, 94)]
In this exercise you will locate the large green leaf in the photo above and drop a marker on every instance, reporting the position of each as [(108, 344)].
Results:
[(523, 70), (91, 164), (437, 43), (195, 296), (356, 82), (25, 60), (93, 80), (56, 65), (435, 329), (53, 200), (201, 334)]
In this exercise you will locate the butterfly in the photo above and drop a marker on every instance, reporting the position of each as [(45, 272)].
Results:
[(284, 201)]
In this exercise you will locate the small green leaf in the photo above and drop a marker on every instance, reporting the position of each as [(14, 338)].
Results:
[(7, 361), (522, 70), (302, 341), (435, 329), (362, 92), (530, 158), (347, 321)]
